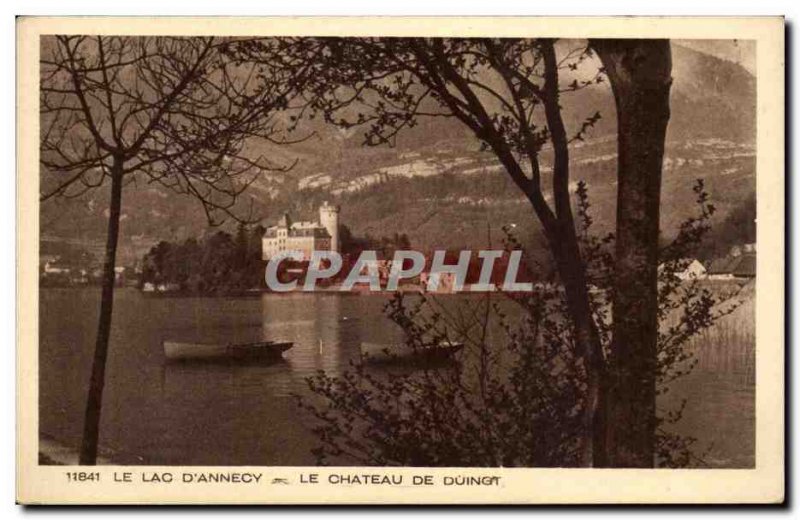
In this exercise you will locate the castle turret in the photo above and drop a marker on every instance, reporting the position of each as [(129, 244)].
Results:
[(329, 219)]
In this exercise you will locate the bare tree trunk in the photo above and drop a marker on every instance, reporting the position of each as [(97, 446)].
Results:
[(640, 75), (94, 399), (572, 273), (572, 270)]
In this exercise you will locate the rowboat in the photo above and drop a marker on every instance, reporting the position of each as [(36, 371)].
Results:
[(382, 353), (174, 350)]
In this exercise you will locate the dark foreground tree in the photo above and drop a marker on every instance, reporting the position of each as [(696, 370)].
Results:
[(640, 75), (509, 93), (515, 396), (171, 111)]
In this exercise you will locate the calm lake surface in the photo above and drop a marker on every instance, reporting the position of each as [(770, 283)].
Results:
[(159, 413)]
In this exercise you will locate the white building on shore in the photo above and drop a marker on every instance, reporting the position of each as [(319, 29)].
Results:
[(304, 236)]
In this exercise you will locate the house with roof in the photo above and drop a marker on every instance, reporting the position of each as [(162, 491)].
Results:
[(52, 264), (740, 264), (693, 269)]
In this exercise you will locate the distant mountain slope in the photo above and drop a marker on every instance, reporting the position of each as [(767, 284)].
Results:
[(711, 98), (437, 186)]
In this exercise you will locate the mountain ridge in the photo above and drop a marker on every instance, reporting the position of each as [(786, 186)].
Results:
[(437, 186)]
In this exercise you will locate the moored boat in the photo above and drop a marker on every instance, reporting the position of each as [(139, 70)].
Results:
[(175, 350), (381, 352)]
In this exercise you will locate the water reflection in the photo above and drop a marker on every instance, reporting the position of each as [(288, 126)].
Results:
[(235, 414)]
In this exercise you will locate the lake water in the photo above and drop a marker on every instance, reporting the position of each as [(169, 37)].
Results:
[(159, 413)]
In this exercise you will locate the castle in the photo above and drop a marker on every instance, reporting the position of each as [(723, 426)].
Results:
[(304, 237)]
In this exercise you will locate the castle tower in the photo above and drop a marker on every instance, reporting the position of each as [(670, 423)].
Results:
[(329, 219)]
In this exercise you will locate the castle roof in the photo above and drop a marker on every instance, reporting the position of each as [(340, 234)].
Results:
[(742, 265), (301, 228), (316, 232), (285, 221)]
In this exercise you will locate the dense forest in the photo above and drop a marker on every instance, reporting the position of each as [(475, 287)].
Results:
[(219, 263), (737, 228), (222, 263)]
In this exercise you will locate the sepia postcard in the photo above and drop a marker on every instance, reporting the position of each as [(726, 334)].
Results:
[(400, 260)]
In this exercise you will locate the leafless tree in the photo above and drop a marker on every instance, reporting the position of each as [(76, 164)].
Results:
[(178, 112)]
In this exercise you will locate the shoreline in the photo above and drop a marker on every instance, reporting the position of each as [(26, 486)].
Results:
[(54, 453), (335, 290)]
